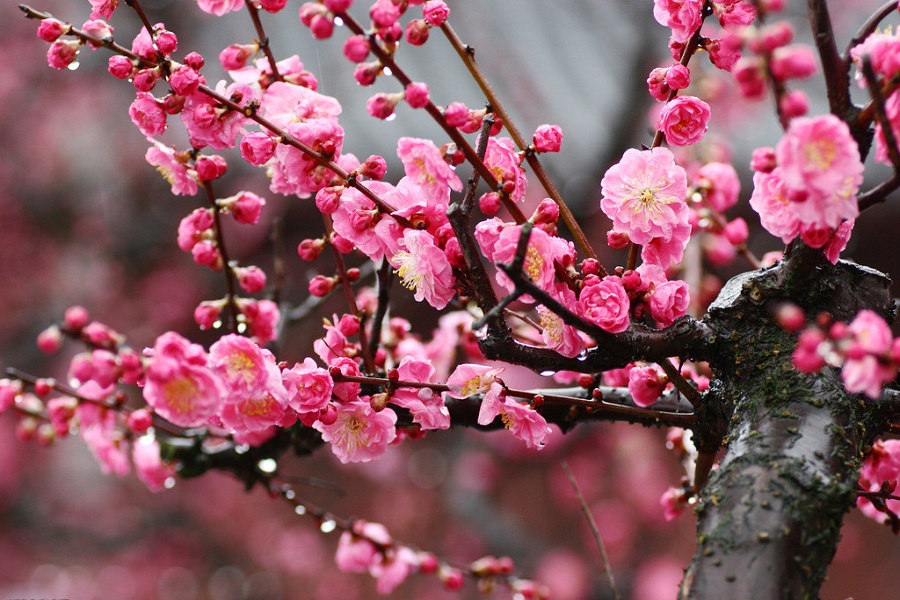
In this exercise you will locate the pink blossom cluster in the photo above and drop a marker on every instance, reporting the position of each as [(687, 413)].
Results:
[(882, 50), (806, 187), (865, 350), (880, 473)]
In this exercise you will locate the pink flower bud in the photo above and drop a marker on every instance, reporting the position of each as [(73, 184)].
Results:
[(206, 254), (617, 239), (166, 42), (235, 56), (140, 421), (374, 167), (120, 67), (321, 26), (751, 77), (49, 30), (194, 61), (793, 62), (338, 6), (384, 13), (75, 318), (328, 199), (725, 52), (310, 249), (772, 36), (417, 32), (251, 279), (678, 76), (356, 48), (145, 79), (456, 114), (272, 6), (381, 106), (794, 104), (348, 325), (342, 244), (173, 104), (247, 208), (489, 203), (207, 313), (308, 10), (763, 160), (321, 286), (790, 317), (99, 29), (390, 35), (147, 115), (416, 95), (547, 138), (257, 148), (546, 212), (62, 53), (435, 12), (366, 73), (736, 232), (50, 340), (210, 167)]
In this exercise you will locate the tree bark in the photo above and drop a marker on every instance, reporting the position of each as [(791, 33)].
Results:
[(770, 517)]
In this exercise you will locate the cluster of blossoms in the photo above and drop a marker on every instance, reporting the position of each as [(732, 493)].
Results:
[(881, 51), (807, 185), (879, 474), (865, 349)]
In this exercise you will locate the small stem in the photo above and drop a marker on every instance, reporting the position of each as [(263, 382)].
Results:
[(263, 39), (230, 285), (467, 54), (594, 529)]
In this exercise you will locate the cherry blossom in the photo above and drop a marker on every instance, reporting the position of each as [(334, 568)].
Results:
[(359, 434)]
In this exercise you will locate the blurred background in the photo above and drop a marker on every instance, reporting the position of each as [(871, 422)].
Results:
[(84, 220)]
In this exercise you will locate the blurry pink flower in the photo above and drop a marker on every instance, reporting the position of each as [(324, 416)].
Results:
[(256, 411), (838, 241), (107, 444), (806, 356), (309, 386), (606, 304), (684, 120), (426, 407), (645, 384), (359, 434), (725, 51), (866, 375), (424, 268), (793, 62), (644, 195), (261, 317), (556, 334), (721, 183), (148, 465), (392, 569), (770, 200), (284, 103), (220, 7), (103, 9), (882, 465), (871, 333), (673, 503)]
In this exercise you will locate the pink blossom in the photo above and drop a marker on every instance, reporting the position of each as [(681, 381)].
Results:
[(871, 333), (839, 240), (426, 407), (209, 124), (261, 317), (880, 466), (645, 384), (542, 252), (62, 53), (235, 56), (725, 51), (98, 28), (423, 164), (103, 9), (525, 423), (684, 120), (793, 62), (435, 12), (673, 502), (668, 301), (179, 386), (174, 171), (424, 267), (644, 195), (682, 16), (416, 95), (50, 30), (678, 76), (295, 173), (120, 67), (504, 163), (309, 387), (256, 412), (359, 434), (556, 334), (468, 380), (354, 554), (866, 375), (246, 207), (391, 569), (770, 200), (106, 444), (220, 7), (819, 155), (185, 80), (239, 362), (606, 304), (148, 465), (721, 183), (547, 138), (806, 356), (381, 106)]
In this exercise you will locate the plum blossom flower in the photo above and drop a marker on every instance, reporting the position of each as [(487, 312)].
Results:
[(359, 434), (426, 407), (182, 179), (605, 303), (644, 195), (682, 16), (645, 384), (424, 267), (503, 161), (219, 7), (239, 362), (684, 120), (423, 163), (149, 466), (179, 386), (882, 465), (525, 423), (468, 379), (556, 334), (309, 387)]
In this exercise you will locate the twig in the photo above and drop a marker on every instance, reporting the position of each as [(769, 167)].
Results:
[(593, 525)]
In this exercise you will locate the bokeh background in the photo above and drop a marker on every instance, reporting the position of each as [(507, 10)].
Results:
[(84, 220)]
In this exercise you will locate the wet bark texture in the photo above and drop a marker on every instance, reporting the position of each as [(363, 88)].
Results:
[(771, 515)]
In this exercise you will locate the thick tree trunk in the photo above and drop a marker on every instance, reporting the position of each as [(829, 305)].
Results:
[(770, 517)]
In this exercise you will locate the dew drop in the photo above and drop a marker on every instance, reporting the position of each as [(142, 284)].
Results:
[(339, 21), (387, 72), (300, 509), (267, 465), (328, 526), (73, 66)]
